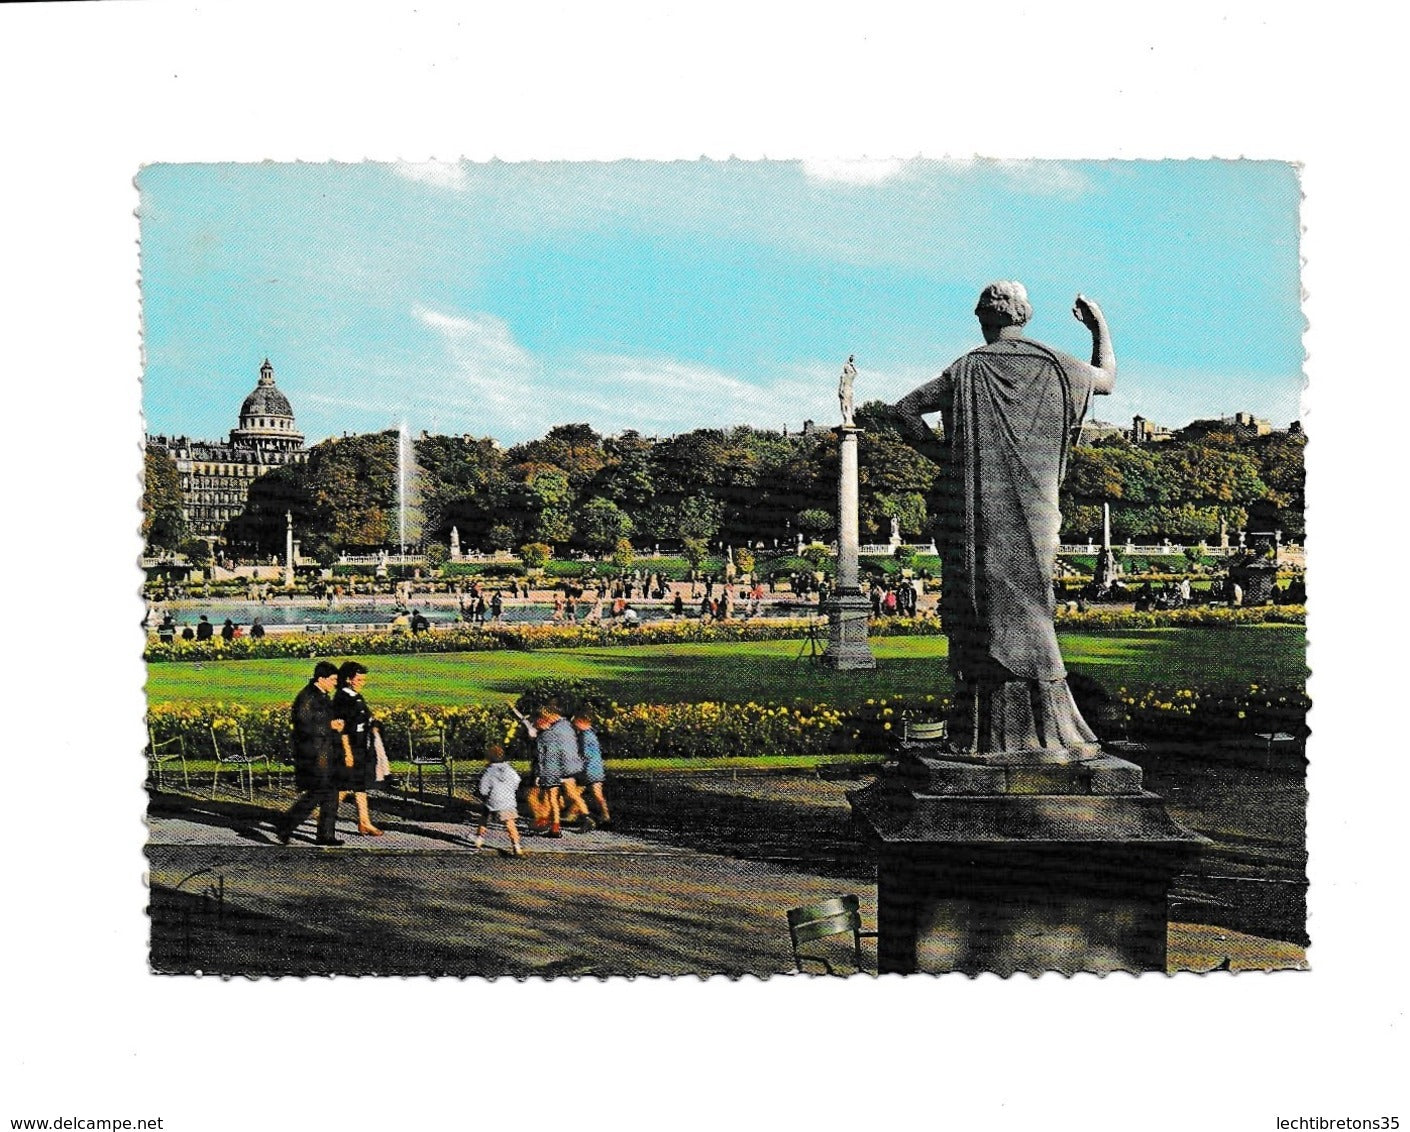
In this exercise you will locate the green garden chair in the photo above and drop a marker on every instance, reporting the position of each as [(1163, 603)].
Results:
[(428, 749), (161, 751), (841, 915), (228, 743)]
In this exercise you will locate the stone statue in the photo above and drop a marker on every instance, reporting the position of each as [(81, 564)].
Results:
[(844, 392), (1010, 411)]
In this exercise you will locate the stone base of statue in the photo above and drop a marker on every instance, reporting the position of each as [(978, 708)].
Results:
[(1257, 579), (1002, 863), (1107, 569), (847, 646)]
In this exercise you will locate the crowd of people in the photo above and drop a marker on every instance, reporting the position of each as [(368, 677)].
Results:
[(894, 599), (339, 753), (203, 630), (1177, 594)]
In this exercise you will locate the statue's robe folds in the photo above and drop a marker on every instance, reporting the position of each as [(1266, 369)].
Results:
[(1010, 411)]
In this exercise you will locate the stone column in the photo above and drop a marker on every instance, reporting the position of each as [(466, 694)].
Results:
[(289, 549), (847, 608)]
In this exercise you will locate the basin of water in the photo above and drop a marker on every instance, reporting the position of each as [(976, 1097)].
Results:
[(283, 616)]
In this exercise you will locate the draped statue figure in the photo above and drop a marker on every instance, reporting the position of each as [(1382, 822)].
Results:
[(844, 392), (1010, 411)]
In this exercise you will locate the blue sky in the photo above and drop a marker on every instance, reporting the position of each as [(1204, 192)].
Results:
[(501, 299)]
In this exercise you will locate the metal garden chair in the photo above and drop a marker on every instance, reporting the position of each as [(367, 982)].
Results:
[(841, 915), (428, 749), (228, 744), (161, 751)]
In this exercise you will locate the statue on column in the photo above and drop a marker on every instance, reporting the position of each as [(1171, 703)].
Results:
[(844, 392), (1010, 411)]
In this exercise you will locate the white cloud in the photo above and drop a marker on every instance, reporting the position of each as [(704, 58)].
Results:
[(493, 386), (863, 171), (658, 395), (444, 174), (492, 374)]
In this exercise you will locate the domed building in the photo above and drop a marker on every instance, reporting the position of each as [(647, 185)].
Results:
[(216, 475), (267, 419)]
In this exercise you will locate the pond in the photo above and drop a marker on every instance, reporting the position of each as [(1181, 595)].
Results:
[(281, 615)]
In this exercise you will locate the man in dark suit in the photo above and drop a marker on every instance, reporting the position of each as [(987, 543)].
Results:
[(315, 766)]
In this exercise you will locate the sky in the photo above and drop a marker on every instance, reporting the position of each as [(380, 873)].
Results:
[(500, 299)]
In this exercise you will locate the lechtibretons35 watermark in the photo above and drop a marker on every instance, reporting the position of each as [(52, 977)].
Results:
[(1327, 1123)]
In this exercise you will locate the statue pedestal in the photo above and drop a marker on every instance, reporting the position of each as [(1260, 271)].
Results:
[(1257, 579), (997, 863), (847, 646)]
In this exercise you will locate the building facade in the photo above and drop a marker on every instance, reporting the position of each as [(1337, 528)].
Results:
[(216, 475), (1243, 426)]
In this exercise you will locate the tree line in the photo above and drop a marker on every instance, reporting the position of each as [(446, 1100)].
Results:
[(577, 490)]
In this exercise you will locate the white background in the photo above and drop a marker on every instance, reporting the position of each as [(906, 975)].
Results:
[(92, 91)]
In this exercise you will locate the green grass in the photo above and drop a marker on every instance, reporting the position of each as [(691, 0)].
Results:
[(766, 670)]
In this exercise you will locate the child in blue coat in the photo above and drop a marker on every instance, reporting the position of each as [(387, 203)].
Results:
[(593, 774)]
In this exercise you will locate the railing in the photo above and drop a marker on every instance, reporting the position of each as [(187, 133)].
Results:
[(379, 560), (887, 549), (1168, 548)]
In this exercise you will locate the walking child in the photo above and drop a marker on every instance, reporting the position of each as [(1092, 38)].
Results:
[(593, 774), (499, 784)]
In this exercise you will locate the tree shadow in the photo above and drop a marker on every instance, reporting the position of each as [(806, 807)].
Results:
[(689, 812)]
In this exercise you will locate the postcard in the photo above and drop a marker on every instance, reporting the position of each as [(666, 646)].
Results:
[(724, 567)]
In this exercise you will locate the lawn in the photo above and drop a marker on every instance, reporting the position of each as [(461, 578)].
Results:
[(1272, 655)]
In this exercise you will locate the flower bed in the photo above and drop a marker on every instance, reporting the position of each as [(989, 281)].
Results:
[(712, 730), (473, 638), (1192, 617), (1168, 713), (698, 730)]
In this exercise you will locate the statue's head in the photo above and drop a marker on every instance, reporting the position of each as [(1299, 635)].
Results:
[(1004, 303)]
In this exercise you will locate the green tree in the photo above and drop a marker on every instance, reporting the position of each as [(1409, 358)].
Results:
[(699, 517), (537, 503), (626, 477), (623, 555), (694, 550), (814, 523), (535, 555), (600, 525), (164, 523), (197, 551), (261, 527), (1280, 460), (575, 448), (694, 517), (907, 508), (462, 482), (352, 491)]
